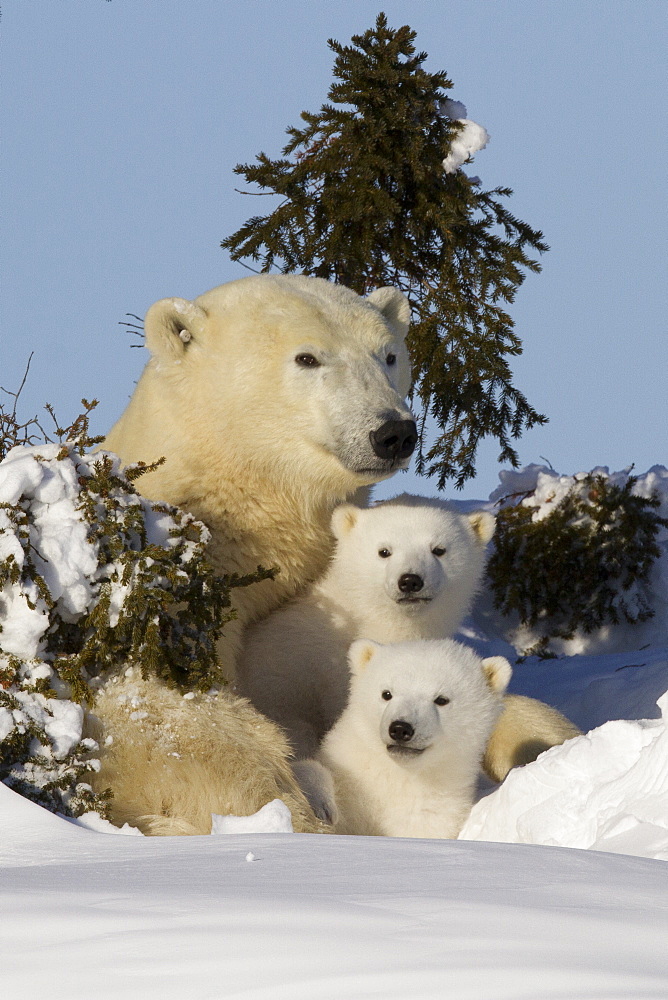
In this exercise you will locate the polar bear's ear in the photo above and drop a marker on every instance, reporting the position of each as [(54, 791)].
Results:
[(394, 306), (361, 653), (344, 520), (483, 524), (497, 673), (170, 325)]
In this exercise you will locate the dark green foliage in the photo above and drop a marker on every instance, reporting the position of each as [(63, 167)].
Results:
[(585, 565), (154, 602), (29, 765), (366, 202), (175, 607)]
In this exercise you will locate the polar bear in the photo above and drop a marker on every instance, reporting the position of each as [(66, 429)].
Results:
[(403, 569), (405, 754), (172, 761), (527, 727), (407, 568), (271, 399)]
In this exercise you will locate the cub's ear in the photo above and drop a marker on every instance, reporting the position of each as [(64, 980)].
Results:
[(394, 306), (497, 673), (344, 520), (170, 325), (360, 654), (483, 524)]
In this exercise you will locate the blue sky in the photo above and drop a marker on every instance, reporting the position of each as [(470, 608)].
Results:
[(122, 121)]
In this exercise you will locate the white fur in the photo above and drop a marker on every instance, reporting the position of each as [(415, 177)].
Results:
[(293, 665), (423, 785)]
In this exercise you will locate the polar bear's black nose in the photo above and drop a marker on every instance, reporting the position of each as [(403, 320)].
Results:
[(394, 439), (410, 583), (401, 731)]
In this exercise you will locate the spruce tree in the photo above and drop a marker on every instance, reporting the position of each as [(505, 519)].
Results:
[(366, 202)]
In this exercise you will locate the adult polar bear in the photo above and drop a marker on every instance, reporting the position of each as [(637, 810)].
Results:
[(272, 399)]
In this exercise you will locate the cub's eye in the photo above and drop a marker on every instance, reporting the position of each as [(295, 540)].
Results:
[(384, 553), (307, 361), (391, 359), (439, 550), (387, 696), (441, 700)]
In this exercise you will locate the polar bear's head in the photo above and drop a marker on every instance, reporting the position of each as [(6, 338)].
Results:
[(288, 376), (411, 556), (424, 703)]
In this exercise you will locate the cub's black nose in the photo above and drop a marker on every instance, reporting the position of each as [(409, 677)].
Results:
[(395, 439), (410, 583), (401, 731)]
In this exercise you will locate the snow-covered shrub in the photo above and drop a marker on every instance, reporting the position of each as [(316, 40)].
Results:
[(92, 576), (573, 554)]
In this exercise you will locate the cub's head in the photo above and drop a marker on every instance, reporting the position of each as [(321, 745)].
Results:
[(424, 702), (295, 376), (411, 553)]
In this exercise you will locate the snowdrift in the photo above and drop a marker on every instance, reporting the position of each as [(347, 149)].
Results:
[(298, 917)]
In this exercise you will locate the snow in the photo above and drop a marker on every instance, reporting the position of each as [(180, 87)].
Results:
[(557, 887), (467, 143), (321, 917), (606, 791), (274, 817), (470, 140)]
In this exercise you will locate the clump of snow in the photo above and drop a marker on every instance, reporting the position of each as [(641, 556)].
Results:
[(46, 485), (606, 790), (470, 140), (274, 817)]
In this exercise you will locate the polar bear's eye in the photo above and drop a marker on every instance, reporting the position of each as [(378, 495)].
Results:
[(441, 700), (439, 550), (307, 361), (391, 359), (384, 553), (387, 696)]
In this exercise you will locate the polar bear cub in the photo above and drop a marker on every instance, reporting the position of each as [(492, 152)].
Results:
[(405, 754), (403, 569)]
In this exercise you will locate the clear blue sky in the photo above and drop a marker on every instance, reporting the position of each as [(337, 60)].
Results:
[(121, 123)]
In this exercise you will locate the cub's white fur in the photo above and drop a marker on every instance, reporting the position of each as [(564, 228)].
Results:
[(404, 569), (405, 754)]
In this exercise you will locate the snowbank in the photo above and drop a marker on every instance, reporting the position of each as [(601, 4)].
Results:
[(606, 791), (326, 917)]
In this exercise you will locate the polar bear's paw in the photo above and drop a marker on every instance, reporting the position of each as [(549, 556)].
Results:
[(317, 784)]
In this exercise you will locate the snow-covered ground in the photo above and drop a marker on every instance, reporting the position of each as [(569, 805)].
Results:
[(298, 917), (255, 915)]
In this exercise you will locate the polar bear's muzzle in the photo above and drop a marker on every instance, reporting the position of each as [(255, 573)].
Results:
[(394, 440), (377, 453), (402, 733), (411, 589)]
